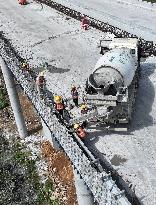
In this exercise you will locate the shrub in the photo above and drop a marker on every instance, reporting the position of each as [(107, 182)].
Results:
[(3, 100)]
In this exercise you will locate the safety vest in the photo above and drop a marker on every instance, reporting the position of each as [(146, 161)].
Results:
[(74, 94), (81, 132), (59, 106)]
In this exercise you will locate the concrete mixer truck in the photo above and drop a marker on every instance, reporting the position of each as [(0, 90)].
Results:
[(112, 85)]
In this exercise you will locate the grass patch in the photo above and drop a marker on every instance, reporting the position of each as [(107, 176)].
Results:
[(19, 177), (43, 191)]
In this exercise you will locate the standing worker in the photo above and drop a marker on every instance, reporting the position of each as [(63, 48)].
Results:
[(85, 23), (40, 82), (81, 133), (75, 95)]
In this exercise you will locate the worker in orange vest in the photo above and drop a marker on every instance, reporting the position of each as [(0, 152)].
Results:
[(22, 2), (85, 23), (59, 105), (75, 95), (81, 133)]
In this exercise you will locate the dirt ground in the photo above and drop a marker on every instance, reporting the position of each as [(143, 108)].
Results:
[(60, 169), (7, 120), (31, 118)]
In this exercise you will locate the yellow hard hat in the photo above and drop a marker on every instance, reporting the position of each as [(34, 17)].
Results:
[(57, 99), (76, 126), (24, 64), (42, 73), (73, 86), (83, 106)]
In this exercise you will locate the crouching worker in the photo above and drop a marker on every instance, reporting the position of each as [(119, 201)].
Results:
[(59, 105), (80, 131), (40, 82), (84, 109)]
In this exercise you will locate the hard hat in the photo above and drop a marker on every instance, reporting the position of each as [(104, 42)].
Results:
[(83, 106), (42, 73), (24, 64), (57, 99), (76, 126), (73, 86)]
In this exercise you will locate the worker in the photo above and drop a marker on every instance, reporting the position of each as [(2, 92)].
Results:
[(84, 109), (85, 23), (80, 131), (40, 82), (59, 105), (25, 66), (75, 95), (22, 2)]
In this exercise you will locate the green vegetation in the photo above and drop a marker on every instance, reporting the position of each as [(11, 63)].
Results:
[(44, 195), (19, 180), (43, 191), (3, 99)]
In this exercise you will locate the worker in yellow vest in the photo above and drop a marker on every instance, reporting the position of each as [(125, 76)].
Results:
[(25, 66), (84, 109)]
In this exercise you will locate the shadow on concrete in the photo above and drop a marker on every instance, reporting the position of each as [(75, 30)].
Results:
[(90, 142), (145, 97), (54, 69)]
